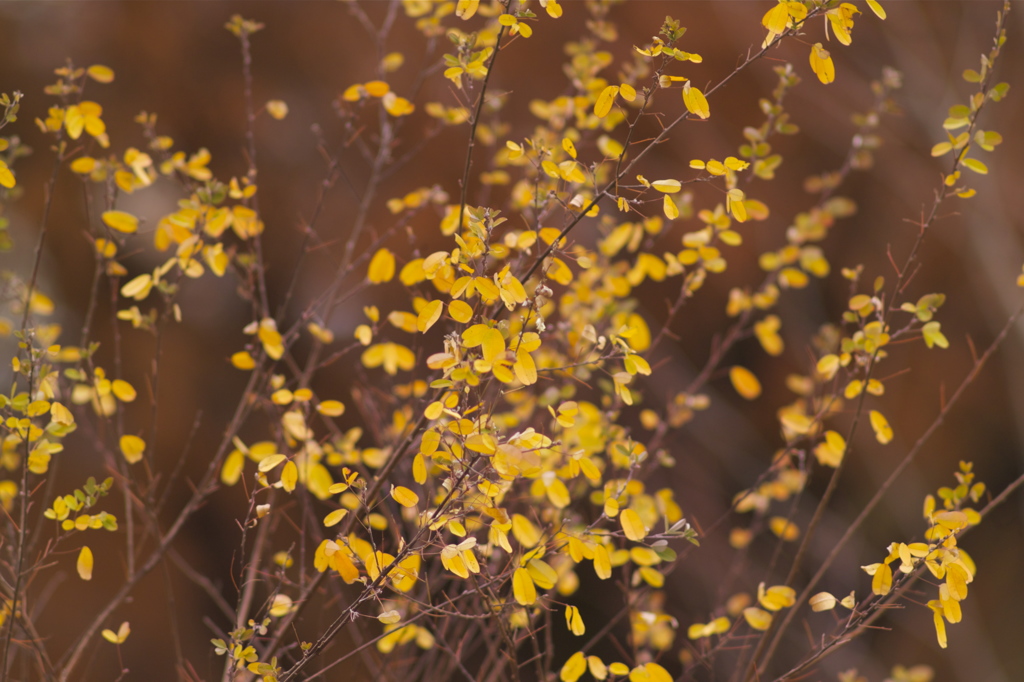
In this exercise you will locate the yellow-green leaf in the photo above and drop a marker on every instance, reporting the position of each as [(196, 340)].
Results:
[(976, 166)]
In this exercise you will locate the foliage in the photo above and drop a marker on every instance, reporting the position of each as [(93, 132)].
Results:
[(522, 436)]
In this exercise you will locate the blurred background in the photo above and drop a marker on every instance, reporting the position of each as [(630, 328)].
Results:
[(176, 59)]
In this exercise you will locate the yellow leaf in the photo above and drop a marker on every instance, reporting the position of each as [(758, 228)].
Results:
[(628, 92), (492, 344), (61, 415), (460, 311), (430, 314), (132, 448), (523, 587), (776, 19), (573, 668), (558, 494), (786, 530), (605, 101), (542, 574), (940, 624), (404, 496), (382, 267), (735, 205), (419, 469), (138, 288), (280, 606), (574, 621), (667, 186), (465, 9), (976, 166), (876, 8), (117, 637), (823, 601), (85, 563), (243, 360), (745, 383), (100, 73), (335, 517), (569, 147), (124, 391), (830, 453), (776, 597), (632, 526), (289, 476), (525, 368), (277, 109), (821, 64), (759, 619), (268, 463), (524, 531), (553, 9), (392, 356), (695, 101), (120, 221), (956, 582), (6, 176), (376, 88), (670, 208), (331, 408), (602, 563), (397, 106), (883, 432), (232, 469), (881, 583), (656, 673)]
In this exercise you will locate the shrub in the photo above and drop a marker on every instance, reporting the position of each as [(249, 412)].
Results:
[(461, 415)]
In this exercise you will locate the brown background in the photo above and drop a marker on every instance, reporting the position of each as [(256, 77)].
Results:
[(175, 58)]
